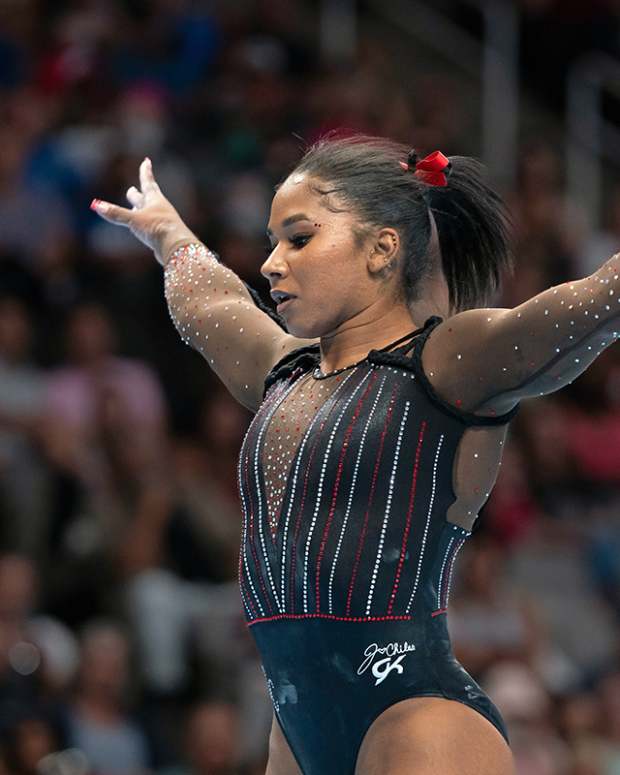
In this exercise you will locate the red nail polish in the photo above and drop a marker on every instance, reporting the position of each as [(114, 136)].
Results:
[(94, 203)]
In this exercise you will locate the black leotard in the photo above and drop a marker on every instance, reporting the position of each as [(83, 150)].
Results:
[(345, 582)]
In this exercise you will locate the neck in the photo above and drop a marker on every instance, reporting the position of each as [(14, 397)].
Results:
[(352, 341), (377, 326)]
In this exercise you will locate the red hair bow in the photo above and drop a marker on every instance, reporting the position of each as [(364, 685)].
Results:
[(432, 169)]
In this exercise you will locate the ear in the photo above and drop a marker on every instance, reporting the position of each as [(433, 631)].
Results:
[(384, 250)]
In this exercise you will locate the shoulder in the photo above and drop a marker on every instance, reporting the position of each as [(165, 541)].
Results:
[(451, 358), (465, 327)]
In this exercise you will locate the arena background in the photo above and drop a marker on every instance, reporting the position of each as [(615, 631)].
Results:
[(122, 645)]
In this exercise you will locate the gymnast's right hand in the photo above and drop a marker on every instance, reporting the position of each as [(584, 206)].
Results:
[(152, 219)]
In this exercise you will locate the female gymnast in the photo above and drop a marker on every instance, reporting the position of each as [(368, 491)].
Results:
[(382, 390)]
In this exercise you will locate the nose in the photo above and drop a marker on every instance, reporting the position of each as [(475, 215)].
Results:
[(274, 266)]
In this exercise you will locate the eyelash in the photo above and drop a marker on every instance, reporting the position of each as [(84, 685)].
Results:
[(298, 242)]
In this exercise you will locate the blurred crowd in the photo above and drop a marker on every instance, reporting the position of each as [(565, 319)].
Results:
[(122, 643)]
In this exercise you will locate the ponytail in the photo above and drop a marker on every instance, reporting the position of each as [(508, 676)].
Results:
[(473, 231)]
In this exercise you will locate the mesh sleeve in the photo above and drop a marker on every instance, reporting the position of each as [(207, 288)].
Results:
[(486, 360), (219, 316)]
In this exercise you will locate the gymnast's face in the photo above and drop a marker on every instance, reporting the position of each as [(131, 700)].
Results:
[(332, 268)]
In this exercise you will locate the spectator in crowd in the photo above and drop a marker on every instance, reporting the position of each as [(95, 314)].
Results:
[(580, 723), (210, 741), (23, 474), (38, 654), (30, 736), (19, 659), (22, 205), (105, 443), (181, 564), (97, 717)]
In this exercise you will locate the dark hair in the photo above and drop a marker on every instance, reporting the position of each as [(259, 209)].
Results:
[(365, 173)]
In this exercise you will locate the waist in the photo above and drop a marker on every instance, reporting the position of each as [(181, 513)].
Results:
[(308, 639), (372, 580)]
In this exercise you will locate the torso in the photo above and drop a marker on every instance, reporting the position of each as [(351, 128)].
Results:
[(354, 488)]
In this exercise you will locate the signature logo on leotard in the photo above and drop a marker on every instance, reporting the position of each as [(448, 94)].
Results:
[(393, 654)]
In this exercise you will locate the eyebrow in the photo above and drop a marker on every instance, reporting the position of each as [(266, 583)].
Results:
[(291, 219)]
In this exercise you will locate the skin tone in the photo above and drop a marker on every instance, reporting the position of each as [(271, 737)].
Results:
[(316, 254)]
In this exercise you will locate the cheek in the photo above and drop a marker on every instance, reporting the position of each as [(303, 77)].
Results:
[(329, 270), (339, 258), (330, 278)]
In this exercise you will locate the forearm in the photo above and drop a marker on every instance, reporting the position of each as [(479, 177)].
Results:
[(574, 323), (554, 337), (204, 297), (580, 308), (214, 312)]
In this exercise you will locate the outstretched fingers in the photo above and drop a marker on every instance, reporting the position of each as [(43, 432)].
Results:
[(151, 216), (147, 179), (135, 198), (112, 213), (122, 215)]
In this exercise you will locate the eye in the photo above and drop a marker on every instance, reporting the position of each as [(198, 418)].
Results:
[(300, 240)]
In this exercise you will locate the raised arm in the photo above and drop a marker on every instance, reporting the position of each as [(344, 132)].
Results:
[(486, 360), (210, 306), (214, 313)]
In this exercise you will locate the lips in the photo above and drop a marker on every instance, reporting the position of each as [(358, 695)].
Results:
[(282, 299), (280, 295), (285, 304)]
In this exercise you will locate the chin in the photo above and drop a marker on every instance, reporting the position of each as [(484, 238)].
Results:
[(305, 330), (313, 327), (299, 331)]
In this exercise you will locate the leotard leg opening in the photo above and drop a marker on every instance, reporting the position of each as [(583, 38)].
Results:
[(329, 680)]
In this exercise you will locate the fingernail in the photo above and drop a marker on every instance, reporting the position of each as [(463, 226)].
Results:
[(98, 206), (149, 161), (94, 203)]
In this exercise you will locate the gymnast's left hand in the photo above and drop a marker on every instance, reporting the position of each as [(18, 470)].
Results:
[(152, 218)]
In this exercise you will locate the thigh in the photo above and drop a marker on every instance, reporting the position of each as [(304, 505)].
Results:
[(281, 760), (433, 736)]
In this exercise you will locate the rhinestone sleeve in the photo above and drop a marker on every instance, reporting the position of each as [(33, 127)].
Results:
[(488, 359), (214, 313)]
